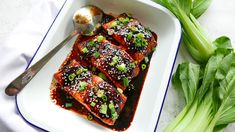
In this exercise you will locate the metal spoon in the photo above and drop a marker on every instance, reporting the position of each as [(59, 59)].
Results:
[(87, 21)]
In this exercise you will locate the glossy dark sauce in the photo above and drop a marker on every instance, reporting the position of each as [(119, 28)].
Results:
[(60, 97), (132, 93)]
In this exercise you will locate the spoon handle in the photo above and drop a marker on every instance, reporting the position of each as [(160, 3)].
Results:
[(22, 80)]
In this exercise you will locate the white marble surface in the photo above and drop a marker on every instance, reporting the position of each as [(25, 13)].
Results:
[(218, 20)]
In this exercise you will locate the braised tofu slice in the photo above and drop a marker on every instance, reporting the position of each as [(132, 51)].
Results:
[(100, 98), (89, 48), (129, 32), (112, 60), (116, 64)]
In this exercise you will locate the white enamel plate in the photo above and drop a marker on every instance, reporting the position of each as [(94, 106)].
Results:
[(34, 103)]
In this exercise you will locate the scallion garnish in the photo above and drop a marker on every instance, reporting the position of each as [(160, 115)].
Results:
[(114, 114), (96, 54), (114, 24), (134, 29), (132, 65), (93, 69), (89, 117), (111, 106), (121, 19), (93, 104), (126, 21), (125, 81), (68, 105), (81, 70), (104, 98), (100, 38), (100, 93), (119, 90), (140, 35), (140, 42), (143, 66), (154, 49), (82, 85), (103, 109), (84, 50), (114, 61), (129, 35), (72, 76), (122, 67), (92, 43), (101, 75)]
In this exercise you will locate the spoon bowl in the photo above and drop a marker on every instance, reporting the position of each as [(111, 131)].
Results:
[(86, 20)]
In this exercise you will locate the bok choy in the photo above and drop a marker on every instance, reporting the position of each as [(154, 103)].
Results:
[(209, 94), (196, 40), (209, 89)]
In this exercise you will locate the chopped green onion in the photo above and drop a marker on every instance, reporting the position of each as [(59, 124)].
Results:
[(140, 42), (122, 67), (93, 104), (133, 28), (140, 35), (129, 36), (114, 24), (121, 19), (114, 115), (96, 54), (111, 106), (146, 59), (72, 76), (104, 98), (84, 50), (82, 85), (78, 72), (101, 75), (100, 93), (144, 42), (114, 61), (126, 21), (143, 66), (137, 42), (125, 81), (93, 68), (119, 90), (132, 65), (100, 38), (67, 105), (92, 43), (89, 117), (103, 109), (154, 49)]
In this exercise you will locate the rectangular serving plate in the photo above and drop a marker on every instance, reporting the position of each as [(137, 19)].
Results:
[(34, 103)]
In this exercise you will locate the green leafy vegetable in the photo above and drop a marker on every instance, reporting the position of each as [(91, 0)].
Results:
[(209, 89), (209, 94), (196, 40)]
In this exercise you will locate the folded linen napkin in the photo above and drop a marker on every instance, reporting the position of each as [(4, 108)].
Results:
[(16, 53)]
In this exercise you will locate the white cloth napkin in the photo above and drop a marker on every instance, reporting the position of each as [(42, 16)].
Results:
[(16, 54)]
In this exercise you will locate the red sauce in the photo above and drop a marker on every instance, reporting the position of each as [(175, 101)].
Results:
[(61, 98), (125, 118)]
